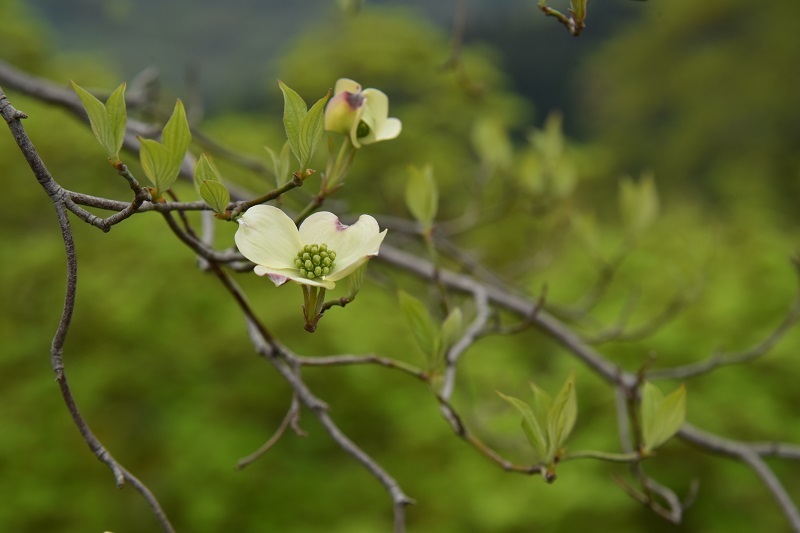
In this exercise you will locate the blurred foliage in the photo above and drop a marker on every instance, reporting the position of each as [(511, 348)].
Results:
[(161, 366), (701, 93)]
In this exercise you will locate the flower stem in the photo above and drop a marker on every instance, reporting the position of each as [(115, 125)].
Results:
[(313, 302), (340, 168), (336, 170)]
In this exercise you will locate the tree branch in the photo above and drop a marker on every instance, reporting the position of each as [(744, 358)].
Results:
[(58, 197)]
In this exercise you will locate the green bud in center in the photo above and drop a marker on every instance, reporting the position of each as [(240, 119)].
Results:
[(315, 261), (362, 130)]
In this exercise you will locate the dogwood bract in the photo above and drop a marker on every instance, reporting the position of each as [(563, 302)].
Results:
[(363, 115), (319, 253)]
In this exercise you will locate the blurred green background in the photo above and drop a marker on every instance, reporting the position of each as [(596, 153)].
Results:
[(701, 94)]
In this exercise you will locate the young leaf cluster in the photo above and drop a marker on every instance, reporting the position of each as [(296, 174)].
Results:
[(208, 183), (161, 161), (107, 120), (304, 127), (548, 421)]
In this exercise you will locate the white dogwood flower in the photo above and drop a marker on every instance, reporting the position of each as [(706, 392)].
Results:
[(320, 253)]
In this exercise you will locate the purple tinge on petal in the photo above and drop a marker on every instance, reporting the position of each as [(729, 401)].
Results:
[(340, 226), (277, 279), (355, 100)]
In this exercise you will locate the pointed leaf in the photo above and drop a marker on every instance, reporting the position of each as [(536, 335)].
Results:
[(216, 195), (562, 415), (661, 416), (451, 329), (422, 195), (294, 110), (176, 135), (311, 129), (672, 413), (421, 323), (280, 163), (542, 402), (531, 427), (158, 164), (117, 117), (204, 170), (98, 119), (651, 400), (284, 163)]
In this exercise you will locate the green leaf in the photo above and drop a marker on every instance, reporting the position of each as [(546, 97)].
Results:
[(451, 329), (422, 195), (422, 326), (651, 400), (98, 119), (638, 204), (662, 417), (280, 163), (204, 170), (216, 195), (562, 415), (311, 129), (176, 135), (158, 165), (117, 117), (531, 427), (672, 413), (294, 110), (284, 162), (542, 403)]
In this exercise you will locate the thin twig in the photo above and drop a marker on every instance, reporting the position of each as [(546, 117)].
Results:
[(348, 360), (650, 327), (451, 415), (722, 359), (291, 415)]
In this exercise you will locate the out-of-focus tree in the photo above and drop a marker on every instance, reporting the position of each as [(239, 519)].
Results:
[(704, 94)]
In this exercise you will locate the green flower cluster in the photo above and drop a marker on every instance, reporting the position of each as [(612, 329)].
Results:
[(315, 260)]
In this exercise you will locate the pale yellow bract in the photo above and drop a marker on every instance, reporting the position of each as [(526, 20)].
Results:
[(269, 238)]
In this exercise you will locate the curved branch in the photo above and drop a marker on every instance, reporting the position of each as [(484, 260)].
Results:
[(750, 456), (58, 197), (286, 364), (288, 420), (469, 337), (605, 369), (721, 359)]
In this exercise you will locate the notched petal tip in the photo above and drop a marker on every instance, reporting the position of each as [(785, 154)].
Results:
[(346, 85), (277, 280)]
